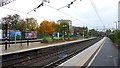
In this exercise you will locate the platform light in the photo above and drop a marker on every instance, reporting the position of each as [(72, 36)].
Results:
[(68, 6), (71, 3)]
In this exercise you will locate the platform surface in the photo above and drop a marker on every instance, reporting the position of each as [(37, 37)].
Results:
[(102, 53), (33, 45), (107, 56)]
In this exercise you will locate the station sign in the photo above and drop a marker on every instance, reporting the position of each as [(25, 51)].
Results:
[(17, 34), (5, 2)]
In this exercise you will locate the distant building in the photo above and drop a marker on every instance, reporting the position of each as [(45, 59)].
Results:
[(69, 21), (76, 30), (119, 15), (70, 24), (72, 30)]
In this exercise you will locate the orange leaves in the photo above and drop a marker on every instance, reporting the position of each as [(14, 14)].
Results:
[(47, 27)]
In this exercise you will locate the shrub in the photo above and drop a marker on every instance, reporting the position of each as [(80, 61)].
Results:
[(57, 39), (118, 41), (115, 37), (71, 38), (47, 39), (87, 36), (112, 37)]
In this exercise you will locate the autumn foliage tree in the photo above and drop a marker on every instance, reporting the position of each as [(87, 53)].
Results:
[(47, 27)]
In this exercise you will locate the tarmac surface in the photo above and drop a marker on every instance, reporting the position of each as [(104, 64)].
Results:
[(107, 55), (102, 54)]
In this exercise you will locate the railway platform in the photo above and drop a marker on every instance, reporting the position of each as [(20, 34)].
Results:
[(102, 53), (33, 45)]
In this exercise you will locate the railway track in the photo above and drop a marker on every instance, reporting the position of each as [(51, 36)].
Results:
[(50, 56)]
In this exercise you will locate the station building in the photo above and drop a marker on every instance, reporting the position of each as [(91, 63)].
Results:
[(71, 30)]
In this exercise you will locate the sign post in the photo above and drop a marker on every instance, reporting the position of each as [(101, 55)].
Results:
[(6, 27)]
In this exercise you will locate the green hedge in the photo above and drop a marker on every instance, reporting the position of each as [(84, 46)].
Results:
[(115, 37), (50, 38), (118, 41)]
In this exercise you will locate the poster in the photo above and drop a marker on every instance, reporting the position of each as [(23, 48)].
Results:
[(31, 34)]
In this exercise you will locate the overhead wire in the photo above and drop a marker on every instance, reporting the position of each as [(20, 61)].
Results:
[(95, 9), (40, 16), (64, 13), (78, 11), (25, 13), (36, 7), (41, 4), (55, 8), (68, 5)]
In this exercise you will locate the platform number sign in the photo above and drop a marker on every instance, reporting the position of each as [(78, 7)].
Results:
[(5, 2)]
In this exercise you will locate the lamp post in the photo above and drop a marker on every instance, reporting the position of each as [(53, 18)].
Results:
[(27, 33), (6, 38), (116, 24), (9, 36), (83, 33), (15, 37)]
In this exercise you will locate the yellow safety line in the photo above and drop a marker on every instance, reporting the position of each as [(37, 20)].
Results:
[(88, 56), (95, 55)]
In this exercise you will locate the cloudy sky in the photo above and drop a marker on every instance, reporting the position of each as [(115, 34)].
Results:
[(82, 13)]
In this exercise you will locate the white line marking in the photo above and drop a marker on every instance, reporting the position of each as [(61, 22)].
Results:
[(95, 55)]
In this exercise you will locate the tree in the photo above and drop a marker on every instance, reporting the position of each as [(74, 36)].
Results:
[(108, 31), (15, 23), (31, 24), (38, 31), (12, 21), (56, 26), (93, 32), (47, 28), (81, 30), (64, 27), (22, 25)]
